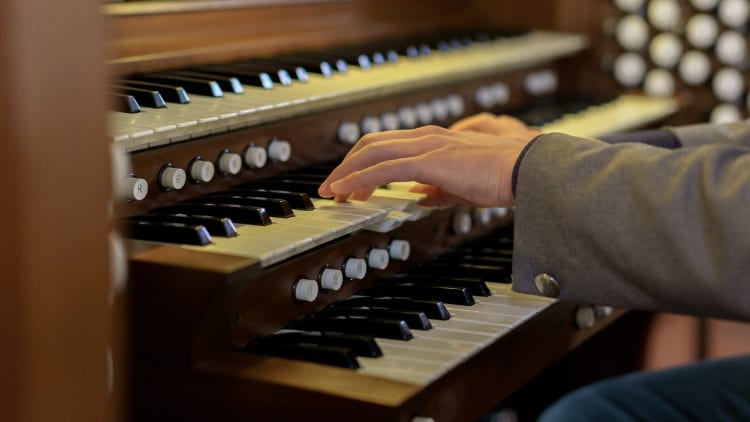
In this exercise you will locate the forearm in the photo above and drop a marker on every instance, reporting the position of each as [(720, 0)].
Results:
[(636, 226)]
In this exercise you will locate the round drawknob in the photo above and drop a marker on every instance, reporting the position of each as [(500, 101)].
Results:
[(399, 249), (408, 117), (306, 290), (172, 178), (585, 317), (202, 170), (136, 189), (632, 32), (541, 83), (279, 150), (331, 279), (728, 84), (630, 69), (725, 113), (371, 124), (483, 97), (389, 121), (355, 268), (424, 113), (461, 223), (695, 67), (378, 258), (664, 14), (665, 50), (734, 13), (701, 30), (439, 109), (482, 216), (255, 157), (629, 5), (348, 132), (659, 83), (704, 5), (731, 48), (456, 105), (230, 163)]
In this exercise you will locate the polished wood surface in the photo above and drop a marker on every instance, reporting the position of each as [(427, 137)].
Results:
[(56, 319)]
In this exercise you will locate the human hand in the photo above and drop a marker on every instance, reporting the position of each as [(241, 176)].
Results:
[(469, 165)]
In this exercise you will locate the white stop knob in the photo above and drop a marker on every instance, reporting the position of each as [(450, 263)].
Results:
[(461, 223), (456, 105), (255, 157), (731, 48), (629, 5), (378, 258), (585, 317), (173, 178), (632, 32), (725, 113), (389, 121), (701, 30), (704, 5), (202, 170), (355, 268), (424, 113), (439, 109), (348, 132), (230, 163), (665, 50), (664, 14), (695, 67), (331, 279), (408, 117), (306, 290), (371, 124), (659, 83), (630, 68), (734, 13), (399, 249), (728, 84), (136, 189), (279, 150)]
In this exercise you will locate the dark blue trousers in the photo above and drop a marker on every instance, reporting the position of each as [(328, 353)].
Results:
[(712, 390)]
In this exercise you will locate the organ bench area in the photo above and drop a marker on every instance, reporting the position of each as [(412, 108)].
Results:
[(254, 299)]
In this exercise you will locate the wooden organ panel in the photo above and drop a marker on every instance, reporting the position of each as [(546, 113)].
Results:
[(193, 309)]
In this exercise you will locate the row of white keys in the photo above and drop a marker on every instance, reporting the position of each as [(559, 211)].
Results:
[(287, 237), (625, 112), (471, 328)]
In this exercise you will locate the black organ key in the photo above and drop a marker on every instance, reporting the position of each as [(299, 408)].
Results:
[(327, 355), (281, 69), (279, 76), (378, 327), (193, 85), (454, 295), (358, 344), (339, 63), (274, 207), (227, 83), (321, 67), (307, 186), (187, 234), (216, 226), (297, 200), (246, 76), (478, 260), (494, 273), (414, 319), (477, 286), (125, 103), (434, 309), (237, 213), (170, 93), (145, 97)]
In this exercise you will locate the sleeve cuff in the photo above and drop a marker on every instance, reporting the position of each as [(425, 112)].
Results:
[(517, 165)]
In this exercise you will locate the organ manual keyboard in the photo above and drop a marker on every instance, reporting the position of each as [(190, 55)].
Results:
[(255, 299)]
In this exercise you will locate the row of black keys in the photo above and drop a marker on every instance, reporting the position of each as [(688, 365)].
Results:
[(393, 308), (194, 221), (155, 90)]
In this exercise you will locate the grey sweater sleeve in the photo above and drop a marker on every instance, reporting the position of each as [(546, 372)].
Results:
[(636, 226), (700, 134)]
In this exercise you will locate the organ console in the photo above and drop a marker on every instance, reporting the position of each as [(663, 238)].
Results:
[(250, 297)]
